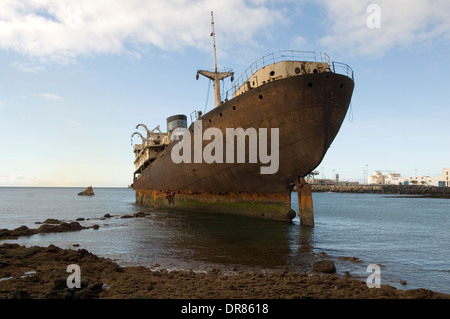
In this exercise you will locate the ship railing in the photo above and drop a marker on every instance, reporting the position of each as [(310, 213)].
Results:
[(342, 68), (283, 55)]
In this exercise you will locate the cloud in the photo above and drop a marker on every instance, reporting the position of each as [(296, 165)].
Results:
[(62, 30), (402, 24), (28, 68), (50, 96), (299, 42)]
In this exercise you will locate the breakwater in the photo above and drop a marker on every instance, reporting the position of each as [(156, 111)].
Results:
[(418, 190)]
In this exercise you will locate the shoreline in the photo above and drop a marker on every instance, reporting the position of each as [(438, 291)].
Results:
[(41, 273), (405, 190), (36, 272)]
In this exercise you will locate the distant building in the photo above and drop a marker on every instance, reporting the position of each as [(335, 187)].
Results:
[(377, 178), (446, 176), (396, 179)]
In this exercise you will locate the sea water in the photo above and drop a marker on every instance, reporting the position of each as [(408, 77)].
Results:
[(408, 237)]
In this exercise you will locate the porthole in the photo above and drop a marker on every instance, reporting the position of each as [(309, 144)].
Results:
[(341, 86), (234, 107), (297, 70), (209, 120), (315, 71), (260, 97), (310, 84), (272, 73), (221, 114)]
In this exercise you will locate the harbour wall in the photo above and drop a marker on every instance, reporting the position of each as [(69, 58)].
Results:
[(418, 190)]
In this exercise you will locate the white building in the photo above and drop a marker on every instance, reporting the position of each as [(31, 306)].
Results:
[(446, 176), (377, 178), (396, 179)]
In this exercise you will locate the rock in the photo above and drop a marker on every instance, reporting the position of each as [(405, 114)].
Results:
[(325, 266), (63, 227), (58, 294), (96, 288), (5, 232), (89, 191), (20, 294), (60, 283), (51, 221), (53, 249), (79, 219), (403, 282), (126, 216), (140, 214), (17, 232), (352, 259), (85, 294), (107, 216), (323, 254)]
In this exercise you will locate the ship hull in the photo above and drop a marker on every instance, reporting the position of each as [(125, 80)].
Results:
[(308, 110)]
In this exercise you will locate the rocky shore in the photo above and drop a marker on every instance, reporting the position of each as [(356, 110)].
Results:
[(48, 226), (42, 273), (408, 190)]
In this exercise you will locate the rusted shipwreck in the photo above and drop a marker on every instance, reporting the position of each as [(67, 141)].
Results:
[(304, 95)]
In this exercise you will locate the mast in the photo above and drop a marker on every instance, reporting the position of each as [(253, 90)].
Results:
[(213, 34), (215, 76)]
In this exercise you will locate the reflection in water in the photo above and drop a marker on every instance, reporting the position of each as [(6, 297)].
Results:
[(222, 241), (175, 239)]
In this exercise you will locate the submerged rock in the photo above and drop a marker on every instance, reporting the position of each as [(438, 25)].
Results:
[(89, 191)]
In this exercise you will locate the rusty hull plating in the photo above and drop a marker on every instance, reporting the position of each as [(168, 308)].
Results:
[(308, 109)]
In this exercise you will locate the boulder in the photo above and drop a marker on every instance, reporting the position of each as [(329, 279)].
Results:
[(325, 266)]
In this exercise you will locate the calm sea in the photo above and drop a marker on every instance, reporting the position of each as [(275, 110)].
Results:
[(407, 237)]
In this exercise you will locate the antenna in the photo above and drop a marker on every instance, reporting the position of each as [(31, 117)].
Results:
[(215, 76)]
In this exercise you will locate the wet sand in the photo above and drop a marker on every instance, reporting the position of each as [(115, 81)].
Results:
[(41, 273)]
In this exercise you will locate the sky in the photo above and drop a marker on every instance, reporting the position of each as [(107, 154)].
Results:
[(77, 76)]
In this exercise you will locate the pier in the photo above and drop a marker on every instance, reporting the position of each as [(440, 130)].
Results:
[(418, 190)]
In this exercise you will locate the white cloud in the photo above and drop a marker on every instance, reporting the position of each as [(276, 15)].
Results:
[(50, 96), (299, 42), (28, 68), (62, 30), (403, 23)]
